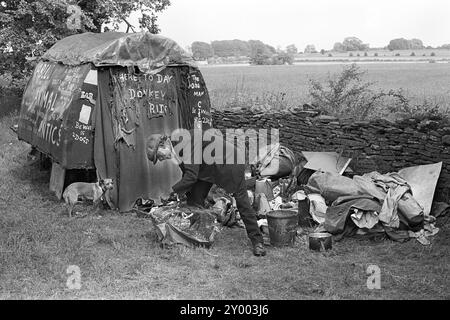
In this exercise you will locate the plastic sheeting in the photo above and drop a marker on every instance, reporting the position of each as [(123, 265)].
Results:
[(149, 52), (191, 227)]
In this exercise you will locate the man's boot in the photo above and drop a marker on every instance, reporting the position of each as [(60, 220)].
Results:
[(258, 250)]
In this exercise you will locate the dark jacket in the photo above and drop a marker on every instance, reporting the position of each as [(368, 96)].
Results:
[(227, 176)]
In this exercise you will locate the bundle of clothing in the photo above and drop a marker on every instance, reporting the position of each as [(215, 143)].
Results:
[(373, 203)]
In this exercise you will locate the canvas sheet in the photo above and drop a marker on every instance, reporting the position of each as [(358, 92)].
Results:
[(132, 106)]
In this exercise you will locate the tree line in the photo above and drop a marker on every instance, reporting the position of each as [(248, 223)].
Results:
[(261, 53), (257, 51)]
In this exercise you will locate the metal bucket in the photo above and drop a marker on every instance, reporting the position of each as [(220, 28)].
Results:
[(320, 241), (282, 227)]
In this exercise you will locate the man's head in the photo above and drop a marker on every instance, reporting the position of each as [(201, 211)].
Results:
[(159, 148)]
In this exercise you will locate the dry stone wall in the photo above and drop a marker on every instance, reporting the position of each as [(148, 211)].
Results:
[(377, 145)]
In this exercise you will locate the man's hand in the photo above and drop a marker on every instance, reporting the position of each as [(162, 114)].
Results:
[(173, 197)]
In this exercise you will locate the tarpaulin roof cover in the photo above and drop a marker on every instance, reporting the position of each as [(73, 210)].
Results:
[(145, 50)]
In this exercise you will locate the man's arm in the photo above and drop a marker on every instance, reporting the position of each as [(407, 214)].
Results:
[(190, 176)]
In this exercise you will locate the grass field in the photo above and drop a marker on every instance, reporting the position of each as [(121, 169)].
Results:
[(119, 257), (284, 86)]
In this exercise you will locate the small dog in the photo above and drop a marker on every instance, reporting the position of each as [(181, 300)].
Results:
[(86, 191)]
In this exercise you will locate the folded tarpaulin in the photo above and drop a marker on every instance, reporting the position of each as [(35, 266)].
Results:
[(338, 213), (145, 50)]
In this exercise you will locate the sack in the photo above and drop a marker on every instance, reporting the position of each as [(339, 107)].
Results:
[(332, 186), (276, 161), (410, 212)]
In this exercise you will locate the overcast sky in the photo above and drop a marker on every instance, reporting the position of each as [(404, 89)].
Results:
[(302, 22)]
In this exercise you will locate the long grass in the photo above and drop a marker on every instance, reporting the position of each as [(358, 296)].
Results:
[(288, 86), (120, 258)]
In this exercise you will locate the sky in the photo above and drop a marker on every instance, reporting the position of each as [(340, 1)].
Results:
[(301, 22)]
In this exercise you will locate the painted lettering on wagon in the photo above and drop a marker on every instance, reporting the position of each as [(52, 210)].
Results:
[(81, 132), (44, 71), (44, 99), (157, 78), (151, 94), (157, 110), (49, 132)]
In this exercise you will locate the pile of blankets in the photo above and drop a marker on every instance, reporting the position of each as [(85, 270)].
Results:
[(373, 203)]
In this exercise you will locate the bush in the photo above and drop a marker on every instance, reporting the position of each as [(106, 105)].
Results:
[(413, 54), (433, 54), (350, 54), (330, 55), (347, 95), (397, 54), (366, 54), (277, 59), (10, 86), (375, 54)]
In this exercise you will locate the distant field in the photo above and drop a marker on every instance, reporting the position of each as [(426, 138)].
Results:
[(228, 84), (381, 54)]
